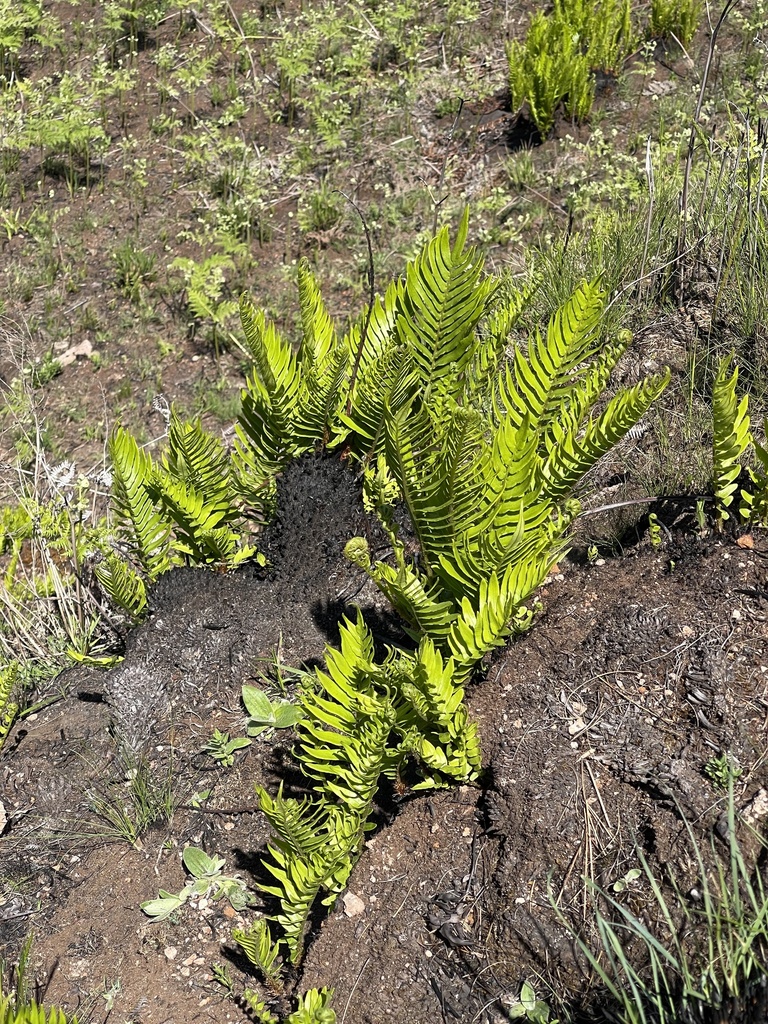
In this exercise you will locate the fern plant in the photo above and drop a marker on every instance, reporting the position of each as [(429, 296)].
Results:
[(187, 507), (13, 1011), (363, 721), (548, 68), (731, 436), (262, 951), (554, 64), (489, 484), (679, 18), (486, 461), (9, 708)]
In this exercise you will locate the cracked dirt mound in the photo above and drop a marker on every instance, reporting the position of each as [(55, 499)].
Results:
[(595, 727)]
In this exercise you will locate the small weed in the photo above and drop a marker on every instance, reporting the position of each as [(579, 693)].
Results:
[(207, 881), (134, 269), (43, 370), (267, 715), (722, 771), (222, 749), (320, 210), (529, 1008)]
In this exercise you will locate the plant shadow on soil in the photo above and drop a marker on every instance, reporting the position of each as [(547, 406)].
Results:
[(592, 742)]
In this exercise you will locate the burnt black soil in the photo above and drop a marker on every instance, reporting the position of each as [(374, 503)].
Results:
[(596, 727)]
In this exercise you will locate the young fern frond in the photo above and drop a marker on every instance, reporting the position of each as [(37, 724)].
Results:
[(261, 950), (143, 528), (9, 708), (731, 436), (433, 719), (314, 850), (440, 305), (195, 488), (754, 501), (416, 600), (411, 447), (123, 585), (314, 1008)]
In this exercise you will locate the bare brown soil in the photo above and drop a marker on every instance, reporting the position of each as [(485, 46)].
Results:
[(595, 726)]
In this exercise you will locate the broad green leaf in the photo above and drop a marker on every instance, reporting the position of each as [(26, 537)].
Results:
[(286, 715), (198, 863), (168, 903), (258, 705)]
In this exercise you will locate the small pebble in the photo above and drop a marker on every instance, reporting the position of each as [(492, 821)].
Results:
[(170, 952)]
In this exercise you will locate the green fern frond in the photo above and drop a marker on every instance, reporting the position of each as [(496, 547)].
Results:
[(731, 435), (509, 476), (261, 950), (200, 461), (323, 360), (318, 407), (440, 305), (344, 732), (492, 339), (140, 524), (122, 585), (416, 600), (571, 457), (330, 839), (314, 1008), (318, 341), (265, 428), (278, 369), (754, 500), (412, 447), (485, 622), (299, 823), (454, 761), (201, 305), (434, 678), (195, 487), (541, 381), (348, 766), (388, 383), (9, 709)]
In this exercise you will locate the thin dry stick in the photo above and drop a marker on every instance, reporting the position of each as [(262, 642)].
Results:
[(651, 195), (371, 299), (439, 202), (681, 239), (352, 991)]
